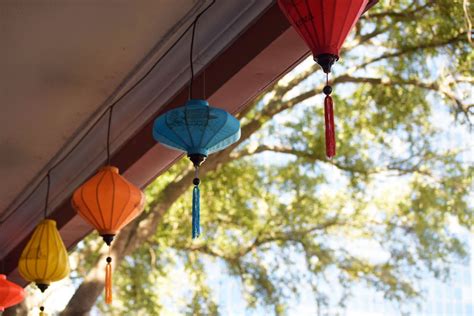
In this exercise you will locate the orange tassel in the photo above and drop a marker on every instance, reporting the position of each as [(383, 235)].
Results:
[(108, 281)]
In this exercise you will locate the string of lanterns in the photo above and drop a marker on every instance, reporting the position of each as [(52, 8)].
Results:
[(108, 202)]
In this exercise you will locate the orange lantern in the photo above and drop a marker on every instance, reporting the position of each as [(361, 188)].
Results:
[(108, 202)]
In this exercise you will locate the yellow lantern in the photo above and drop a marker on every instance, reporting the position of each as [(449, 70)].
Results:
[(44, 259)]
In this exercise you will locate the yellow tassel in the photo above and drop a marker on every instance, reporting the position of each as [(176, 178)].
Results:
[(108, 281)]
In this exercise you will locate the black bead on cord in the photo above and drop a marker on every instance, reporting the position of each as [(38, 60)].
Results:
[(196, 180), (109, 258), (327, 90)]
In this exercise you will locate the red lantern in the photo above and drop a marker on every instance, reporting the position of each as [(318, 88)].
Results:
[(10, 293), (324, 25)]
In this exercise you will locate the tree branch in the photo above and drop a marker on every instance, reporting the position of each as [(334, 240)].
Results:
[(312, 157), (408, 14), (408, 50), (433, 86)]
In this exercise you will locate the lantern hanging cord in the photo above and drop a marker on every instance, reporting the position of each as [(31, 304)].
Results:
[(109, 252), (42, 313), (2, 264), (48, 186), (99, 119), (109, 126), (327, 90), (204, 84), (191, 61), (196, 172), (193, 35)]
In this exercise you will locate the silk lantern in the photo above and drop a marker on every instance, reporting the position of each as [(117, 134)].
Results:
[(198, 130), (10, 293), (324, 25), (108, 202), (44, 259)]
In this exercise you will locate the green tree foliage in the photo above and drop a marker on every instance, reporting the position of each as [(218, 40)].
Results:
[(282, 219)]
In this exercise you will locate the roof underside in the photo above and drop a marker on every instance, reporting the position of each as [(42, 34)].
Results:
[(65, 63)]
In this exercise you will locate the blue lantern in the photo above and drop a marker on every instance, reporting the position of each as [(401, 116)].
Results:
[(199, 130)]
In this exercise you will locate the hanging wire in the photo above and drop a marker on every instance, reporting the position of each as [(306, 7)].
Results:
[(196, 172), (204, 84), (191, 59), (193, 35), (109, 108), (48, 186), (108, 134), (41, 308)]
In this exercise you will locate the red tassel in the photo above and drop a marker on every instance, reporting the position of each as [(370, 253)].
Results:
[(329, 124), (108, 281)]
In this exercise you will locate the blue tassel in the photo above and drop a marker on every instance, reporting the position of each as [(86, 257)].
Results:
[(196, 211)]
